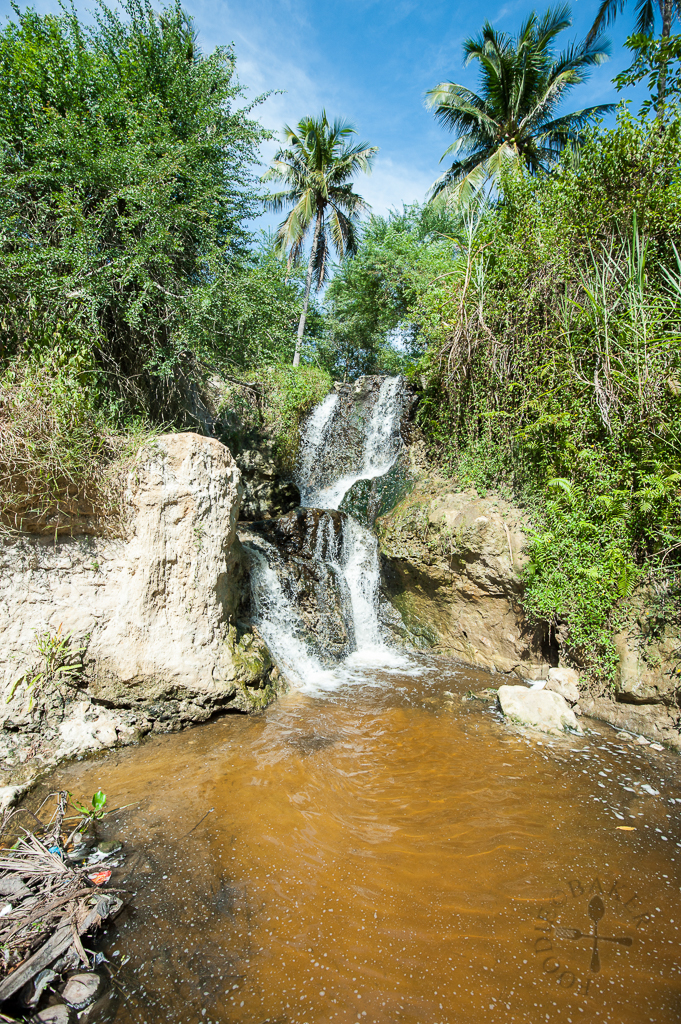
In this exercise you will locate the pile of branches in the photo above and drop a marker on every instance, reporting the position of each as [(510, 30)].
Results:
[(46, 906)]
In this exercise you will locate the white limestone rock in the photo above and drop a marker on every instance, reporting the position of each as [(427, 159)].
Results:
[(564, 681), (152, 609), (539, 709)]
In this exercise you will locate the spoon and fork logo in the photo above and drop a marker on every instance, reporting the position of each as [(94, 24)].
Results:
[(596, 913)]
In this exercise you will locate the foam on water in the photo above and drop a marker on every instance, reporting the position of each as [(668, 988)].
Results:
[(354, 558)]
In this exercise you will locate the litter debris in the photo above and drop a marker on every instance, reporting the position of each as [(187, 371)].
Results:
[(100, 877), (49, 902)]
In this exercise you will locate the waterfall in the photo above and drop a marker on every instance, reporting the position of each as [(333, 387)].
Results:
[(315, 575), (380, 448)]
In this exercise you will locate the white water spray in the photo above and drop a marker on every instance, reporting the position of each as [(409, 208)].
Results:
[(352, 558), (380, 450)]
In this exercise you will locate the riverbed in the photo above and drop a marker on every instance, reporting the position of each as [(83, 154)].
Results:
[(389, 851)]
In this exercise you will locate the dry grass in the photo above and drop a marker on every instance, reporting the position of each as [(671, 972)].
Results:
[(62, 468)]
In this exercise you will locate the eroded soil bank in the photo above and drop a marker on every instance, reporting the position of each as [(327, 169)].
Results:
[(392, 851)]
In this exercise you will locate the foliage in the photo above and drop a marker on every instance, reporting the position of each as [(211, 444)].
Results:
[(271, 402), (316, 166), (251, 312), (125, 185), (96, 809), (645, 10), (60, 459), (652, 57), (58, 663), (514, 120), (554, 370), (368, 327)]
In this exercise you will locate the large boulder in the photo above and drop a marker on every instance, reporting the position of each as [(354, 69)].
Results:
[(150, 616), (451, 565), (539, 709)]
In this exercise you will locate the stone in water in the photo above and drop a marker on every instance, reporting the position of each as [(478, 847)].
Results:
[(539, 709)]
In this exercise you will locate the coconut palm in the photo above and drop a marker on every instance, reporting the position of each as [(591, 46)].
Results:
[(316, 164), (514, 120), (645, 25)]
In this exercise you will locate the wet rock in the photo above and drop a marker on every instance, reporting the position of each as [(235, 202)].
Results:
[(269, 491), (58, 1014), (110, 846), (349, 426), (451, 565), (82, 989), (564, 681), (538, 709), (657, 723), (305, 548)]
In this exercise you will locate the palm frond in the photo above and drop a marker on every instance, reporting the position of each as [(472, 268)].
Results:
[(606, 15)]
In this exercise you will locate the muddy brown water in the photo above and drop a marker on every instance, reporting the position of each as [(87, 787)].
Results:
[(389, 852)]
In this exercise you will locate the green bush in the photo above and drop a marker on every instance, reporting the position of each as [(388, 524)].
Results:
[(270, 403), (555, 362), (62, 462)]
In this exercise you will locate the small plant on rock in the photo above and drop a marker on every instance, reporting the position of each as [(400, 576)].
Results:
[(60, 664)]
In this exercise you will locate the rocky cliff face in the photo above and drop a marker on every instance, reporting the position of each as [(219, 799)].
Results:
[(451, 564), (103, 639)]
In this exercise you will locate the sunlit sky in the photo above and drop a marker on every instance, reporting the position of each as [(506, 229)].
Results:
[(372, 61)]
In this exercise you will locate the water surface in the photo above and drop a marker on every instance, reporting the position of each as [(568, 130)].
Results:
[(392, 851)]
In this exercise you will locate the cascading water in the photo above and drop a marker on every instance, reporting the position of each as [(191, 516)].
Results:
[(315, 574)]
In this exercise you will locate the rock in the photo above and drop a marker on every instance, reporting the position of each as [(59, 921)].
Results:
[(152, 608), (298, 545), (655, 722), (451, 566), (539, 709), (82, 989), (564, 681), (9, 795), (110, 846), (59, 1014), (268, 490)]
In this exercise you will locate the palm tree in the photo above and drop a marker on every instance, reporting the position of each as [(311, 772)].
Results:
[(514, 119), (316, 165), (645, 25)]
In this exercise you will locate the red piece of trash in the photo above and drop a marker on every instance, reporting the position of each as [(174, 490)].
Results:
[(100, 877)]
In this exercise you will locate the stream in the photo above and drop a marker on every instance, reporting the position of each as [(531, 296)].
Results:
[(378, 845)]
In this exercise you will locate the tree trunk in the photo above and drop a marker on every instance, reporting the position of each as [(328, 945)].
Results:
[(308, 286), (667, 10)]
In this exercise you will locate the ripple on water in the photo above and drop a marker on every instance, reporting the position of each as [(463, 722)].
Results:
[(391, 851)]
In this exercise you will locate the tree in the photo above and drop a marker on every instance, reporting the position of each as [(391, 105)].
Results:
[(645, 26), (316, 165), (126, 187), (658, 63), (513, 120), (368, 325)]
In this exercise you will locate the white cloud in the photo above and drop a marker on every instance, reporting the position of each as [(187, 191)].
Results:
[(392, 183)]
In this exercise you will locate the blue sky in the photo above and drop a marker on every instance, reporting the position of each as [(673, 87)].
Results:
[(372, 61)]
